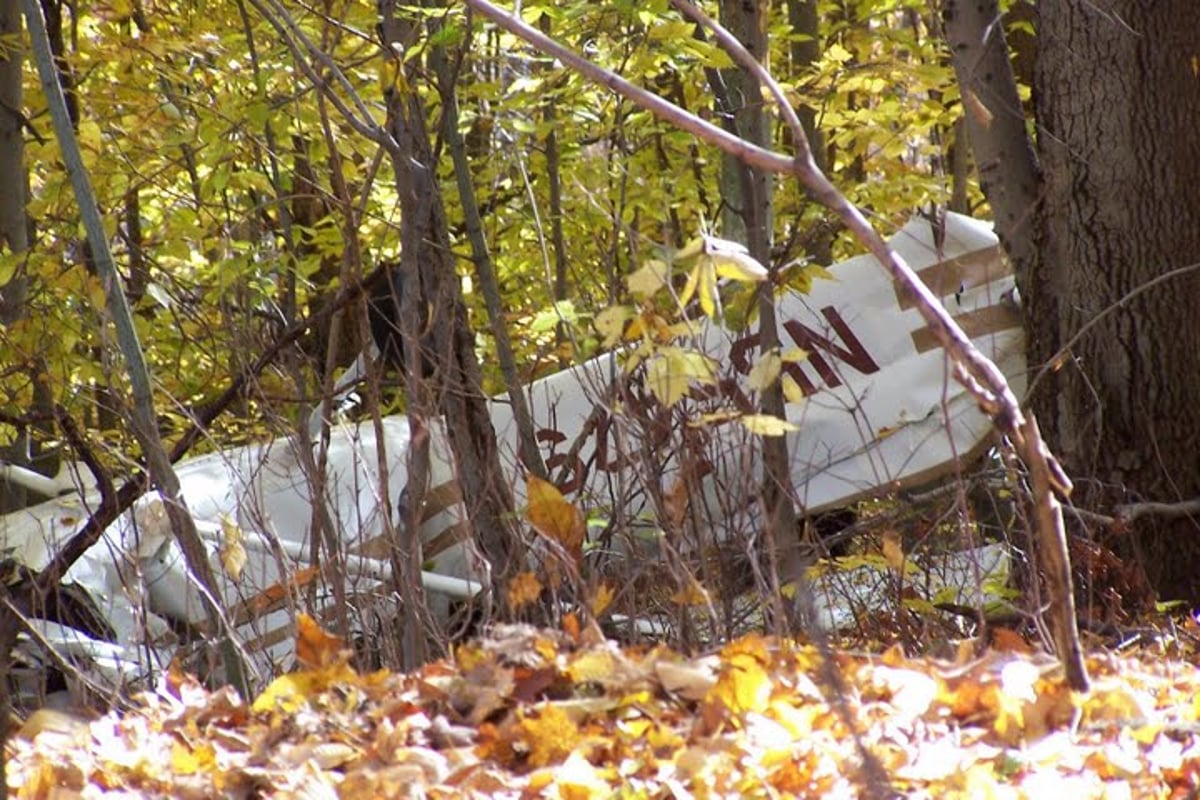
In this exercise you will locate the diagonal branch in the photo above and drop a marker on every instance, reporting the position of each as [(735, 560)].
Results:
[(975, 371)]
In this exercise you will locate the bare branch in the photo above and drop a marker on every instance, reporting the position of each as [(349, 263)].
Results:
[(751, 154)]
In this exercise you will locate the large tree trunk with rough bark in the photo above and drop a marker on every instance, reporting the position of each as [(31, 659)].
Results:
[(1114, 325)]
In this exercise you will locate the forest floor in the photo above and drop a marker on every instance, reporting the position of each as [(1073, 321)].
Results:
[(536, 713)]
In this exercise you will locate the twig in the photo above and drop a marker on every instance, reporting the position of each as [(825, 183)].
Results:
[(1127, 513)]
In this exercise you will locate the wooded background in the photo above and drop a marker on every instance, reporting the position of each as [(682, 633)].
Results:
[(252, 158)]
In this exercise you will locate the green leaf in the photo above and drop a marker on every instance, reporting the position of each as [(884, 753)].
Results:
[(548, 319), (667, 385), (447, 36)]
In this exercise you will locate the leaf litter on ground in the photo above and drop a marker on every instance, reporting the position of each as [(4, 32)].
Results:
[(526, 712)]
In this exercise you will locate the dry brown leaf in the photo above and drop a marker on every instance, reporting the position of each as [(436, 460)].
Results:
[(555, 517)]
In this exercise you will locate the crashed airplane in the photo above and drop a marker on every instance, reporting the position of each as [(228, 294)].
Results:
[(879, 410)]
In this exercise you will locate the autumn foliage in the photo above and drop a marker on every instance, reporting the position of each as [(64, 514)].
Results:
[(534, 713)]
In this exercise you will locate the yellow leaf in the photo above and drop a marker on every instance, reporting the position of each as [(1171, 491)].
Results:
[(669, 387), (523, 589), (794, 355), (732, 260), (191, 760), (555, 517), (696, 366), (610, 323), (792, 392), (742, 687), (89, 136), (637, 328), (689, 288), (648, 279), (232, 551), (389, 73), (838, 54), (765, 371), (290, 693), (9, 264), (551, 736), (767, 425), (708, 288), (714, 418), (693, 248), (593, 666)]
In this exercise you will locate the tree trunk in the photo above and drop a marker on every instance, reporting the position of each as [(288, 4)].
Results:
[(1118, 98), (746, 20), (13, 230), (805, 51), (428, 263)]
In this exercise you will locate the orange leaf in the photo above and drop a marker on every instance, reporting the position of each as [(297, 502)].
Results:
[(523, 589), (555, 517), (570, 626), (676, 501), (1006, 640), (601, 599), (893, 550), (314, 647), (693, 594)]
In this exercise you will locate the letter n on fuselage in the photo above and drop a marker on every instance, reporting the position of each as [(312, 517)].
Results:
[(820, 348)]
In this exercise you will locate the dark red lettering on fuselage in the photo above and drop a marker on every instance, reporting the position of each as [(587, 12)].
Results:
[(850, 351), (572, 471)]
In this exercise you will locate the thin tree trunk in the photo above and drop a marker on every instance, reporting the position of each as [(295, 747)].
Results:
[(143, 416), (429, 265), (806, 50), (747, 22), (995, 122), (485, 272), (554, 179), (14, 238)]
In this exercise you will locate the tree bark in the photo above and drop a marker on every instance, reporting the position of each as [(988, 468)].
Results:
[(485, 271), (1118, 96), (805, 51)]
